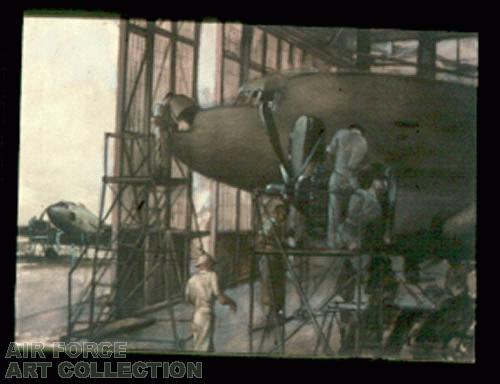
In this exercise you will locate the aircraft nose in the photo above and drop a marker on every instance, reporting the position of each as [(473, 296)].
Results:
[(54, 213), (228, 132), (58, 215)]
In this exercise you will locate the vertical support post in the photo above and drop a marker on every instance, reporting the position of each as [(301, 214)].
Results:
[(306, 276), (363, 44), (189, 219), (381, 306), (98, 234), (264, 53), (149, 257), (426, 61), (251, 299), (189, 184), (120, 148), (282, 320), (148, 99), (92, 288), (278, 56), (236, 258), (303, 58), (246, 46), (173, 56), (219, 95), (168, 155), (358, 303), (196, 57), (69, 328), (219, 64), (215, 217), (253, 262)]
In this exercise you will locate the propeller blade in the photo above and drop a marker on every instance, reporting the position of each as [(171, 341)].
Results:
[(268, 121), (309, 157), (284, 174)]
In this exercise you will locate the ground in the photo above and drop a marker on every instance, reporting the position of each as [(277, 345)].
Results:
[(41, 311)]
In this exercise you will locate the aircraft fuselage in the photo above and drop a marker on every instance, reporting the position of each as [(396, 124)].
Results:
[(424, 129)]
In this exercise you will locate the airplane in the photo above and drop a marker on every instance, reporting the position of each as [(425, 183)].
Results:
[(424, 130), (69, 224), (72, 218), (74, 224)]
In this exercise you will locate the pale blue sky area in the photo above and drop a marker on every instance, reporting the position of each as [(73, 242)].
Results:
[(68, 101)]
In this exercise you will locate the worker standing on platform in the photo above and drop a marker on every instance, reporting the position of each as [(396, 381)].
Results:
[(272, 267), (363, 228), (172, 111), (363, 214), (348, 148), (161, 121), (202, 290)]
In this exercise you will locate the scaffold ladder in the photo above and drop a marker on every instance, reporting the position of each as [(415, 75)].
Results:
[(140, 230)]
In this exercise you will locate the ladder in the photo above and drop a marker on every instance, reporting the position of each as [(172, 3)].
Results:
[(322, 316), (140, 254)]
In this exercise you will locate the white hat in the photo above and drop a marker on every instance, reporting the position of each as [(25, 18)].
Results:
[(203, 259)]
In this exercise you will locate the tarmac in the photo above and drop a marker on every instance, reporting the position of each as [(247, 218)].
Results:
[(41, 313)]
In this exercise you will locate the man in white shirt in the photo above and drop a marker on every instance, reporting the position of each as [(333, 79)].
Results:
[(202, 290), (348, 148)]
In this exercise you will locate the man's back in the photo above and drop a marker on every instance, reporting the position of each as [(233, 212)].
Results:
[(349, 147), (364, 207), (202, 289)]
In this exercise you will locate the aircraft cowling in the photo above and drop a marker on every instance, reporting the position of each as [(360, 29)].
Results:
[(229, 144), (74, 220)]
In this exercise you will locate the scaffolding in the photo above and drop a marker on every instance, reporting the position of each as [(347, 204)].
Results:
[(146, 193), (360, 318), (141, 264), (146, 261), (328, 311)]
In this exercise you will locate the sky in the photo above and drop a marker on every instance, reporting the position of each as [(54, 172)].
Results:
[(68, 102)]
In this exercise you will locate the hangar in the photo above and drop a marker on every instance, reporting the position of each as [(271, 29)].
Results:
[(165, 211)]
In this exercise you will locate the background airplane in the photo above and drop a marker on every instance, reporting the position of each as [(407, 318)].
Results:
[(69, 224)]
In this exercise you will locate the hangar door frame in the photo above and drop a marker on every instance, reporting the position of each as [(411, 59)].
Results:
[(155, 57)]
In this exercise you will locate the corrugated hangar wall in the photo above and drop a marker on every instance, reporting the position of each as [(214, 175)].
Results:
[(156, 57)]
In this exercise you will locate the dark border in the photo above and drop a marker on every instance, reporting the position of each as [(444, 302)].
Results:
[(331, 14)]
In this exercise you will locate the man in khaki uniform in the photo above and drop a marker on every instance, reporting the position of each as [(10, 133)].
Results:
[(172, 111), (202, 290)]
